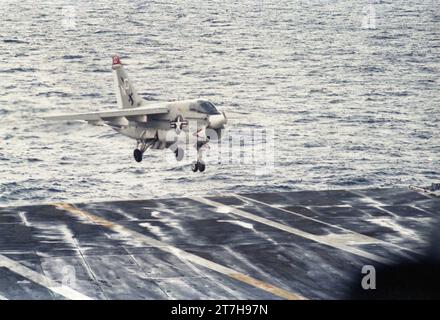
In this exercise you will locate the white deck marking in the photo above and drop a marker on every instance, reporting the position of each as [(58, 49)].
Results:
[(42, 280), (243, 198), (425, 192), (137, 236), (420, 209), (339, 241), (370, 199), (348, 231)]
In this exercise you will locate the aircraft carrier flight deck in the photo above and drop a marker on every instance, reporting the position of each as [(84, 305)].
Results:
[(289, 245)]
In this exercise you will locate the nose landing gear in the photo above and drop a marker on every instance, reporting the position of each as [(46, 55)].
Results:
[(198, 166)]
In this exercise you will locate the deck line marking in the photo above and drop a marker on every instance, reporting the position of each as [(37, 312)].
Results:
[(341, 242), (357, 234), (240, 197), (386, 211), (414, 206), (179, 252), (369, 198), (424, 192), (42, 280), (86, 266), (196, 270)]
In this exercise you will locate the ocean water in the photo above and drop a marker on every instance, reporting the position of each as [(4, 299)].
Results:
[(350, 90)]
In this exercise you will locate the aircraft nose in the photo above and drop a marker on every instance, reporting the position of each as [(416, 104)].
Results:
[(217, 121)]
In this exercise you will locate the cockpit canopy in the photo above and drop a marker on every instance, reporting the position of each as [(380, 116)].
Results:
[(204, 106)]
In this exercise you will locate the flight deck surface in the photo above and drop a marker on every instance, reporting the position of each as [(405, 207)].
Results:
[(289, 245)]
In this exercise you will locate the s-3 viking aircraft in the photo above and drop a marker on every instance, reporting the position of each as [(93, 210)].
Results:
[(152, 124)]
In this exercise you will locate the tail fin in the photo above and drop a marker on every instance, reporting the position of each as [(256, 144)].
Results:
[(126, 94)]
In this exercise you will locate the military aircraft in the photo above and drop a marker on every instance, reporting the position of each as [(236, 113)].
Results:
[(156, 125)]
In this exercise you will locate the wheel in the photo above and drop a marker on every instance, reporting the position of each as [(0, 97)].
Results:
[(195, 166), (201, 166), (179, 153), (137, 155)]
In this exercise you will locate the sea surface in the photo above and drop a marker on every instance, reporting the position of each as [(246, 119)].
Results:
[(348, 89)]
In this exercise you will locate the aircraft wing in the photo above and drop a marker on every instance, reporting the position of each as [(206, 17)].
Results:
[(97, 116)]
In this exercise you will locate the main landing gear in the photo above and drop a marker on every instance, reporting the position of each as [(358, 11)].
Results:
[(139, 151), (179, 153), (137, 154)]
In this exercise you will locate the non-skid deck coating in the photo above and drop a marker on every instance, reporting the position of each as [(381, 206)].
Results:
[(293, 245)]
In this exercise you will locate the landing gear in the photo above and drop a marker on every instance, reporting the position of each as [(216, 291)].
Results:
[(201, 166), (179, 153), (137, 155), (198, 166), (195, 166), (139, 151)]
